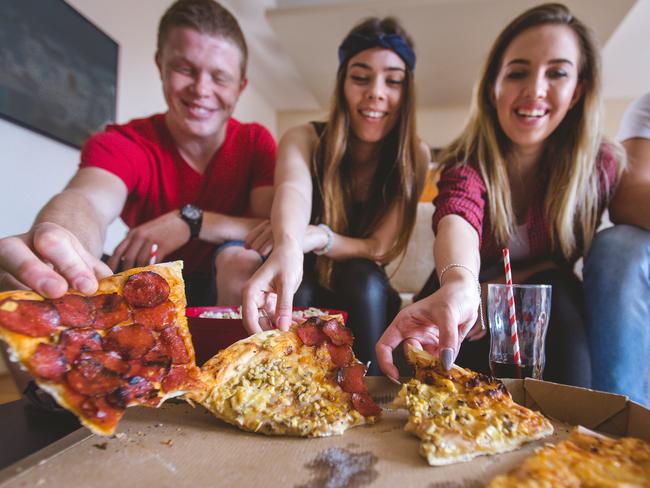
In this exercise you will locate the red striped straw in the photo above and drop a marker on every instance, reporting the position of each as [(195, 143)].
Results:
[(514, 338), (153, 255)]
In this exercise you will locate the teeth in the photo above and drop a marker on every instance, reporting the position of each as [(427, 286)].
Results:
[(372, 114), (531, 113)]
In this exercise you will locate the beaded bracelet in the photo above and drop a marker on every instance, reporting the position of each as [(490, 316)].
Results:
[(330, 240), (478, 286)]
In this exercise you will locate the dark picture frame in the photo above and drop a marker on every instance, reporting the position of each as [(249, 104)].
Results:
[(59, 71)]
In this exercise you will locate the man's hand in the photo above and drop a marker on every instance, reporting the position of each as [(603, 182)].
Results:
[(49, 259), (260, 239), (169, 232)]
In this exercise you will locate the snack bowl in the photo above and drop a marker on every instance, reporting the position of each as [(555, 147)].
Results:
[(215, 328)]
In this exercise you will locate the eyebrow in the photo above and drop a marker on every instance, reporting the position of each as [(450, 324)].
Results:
[(367, 66), (552, 61)]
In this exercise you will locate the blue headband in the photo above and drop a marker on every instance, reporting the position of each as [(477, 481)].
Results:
[(355, 43)]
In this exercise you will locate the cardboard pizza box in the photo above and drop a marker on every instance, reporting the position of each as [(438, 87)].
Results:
[(178, 445)]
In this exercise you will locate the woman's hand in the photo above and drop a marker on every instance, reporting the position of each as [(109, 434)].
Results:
[(438, 324), (272, 287), (315, 239)]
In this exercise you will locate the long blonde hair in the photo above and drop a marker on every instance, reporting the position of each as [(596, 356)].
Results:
[(395, 176), (571, 202)]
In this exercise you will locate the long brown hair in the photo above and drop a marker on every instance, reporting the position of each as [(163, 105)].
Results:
[(395, 177), (571, 203)]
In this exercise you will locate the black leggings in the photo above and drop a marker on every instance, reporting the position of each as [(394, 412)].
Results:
[(361, 288), (567, 348)]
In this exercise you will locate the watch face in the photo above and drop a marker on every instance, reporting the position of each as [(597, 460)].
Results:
[(191, 212)]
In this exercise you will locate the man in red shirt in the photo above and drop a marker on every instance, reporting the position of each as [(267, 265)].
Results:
[(188, 181)]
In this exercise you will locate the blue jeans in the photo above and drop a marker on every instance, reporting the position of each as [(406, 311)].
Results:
[(617, 292)]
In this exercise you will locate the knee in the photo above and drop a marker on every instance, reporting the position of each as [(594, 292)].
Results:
[(619, 252), (362, 278)]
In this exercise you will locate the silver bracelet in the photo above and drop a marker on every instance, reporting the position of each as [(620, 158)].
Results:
[(330, 240), (478, 286)]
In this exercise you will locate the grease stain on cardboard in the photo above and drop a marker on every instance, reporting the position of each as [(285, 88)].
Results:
[(339, 468)]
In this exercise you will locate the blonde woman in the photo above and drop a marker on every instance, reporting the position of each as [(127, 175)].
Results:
[(531, 172), (347, 193)]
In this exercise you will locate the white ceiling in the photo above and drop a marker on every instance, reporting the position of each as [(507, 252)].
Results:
[(293, 43)]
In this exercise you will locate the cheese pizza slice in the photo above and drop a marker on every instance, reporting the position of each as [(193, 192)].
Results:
[(128, 344), (583, 460), (302, 382), (460, 414)]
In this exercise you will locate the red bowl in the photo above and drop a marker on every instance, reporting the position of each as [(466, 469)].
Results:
[(210, 335)]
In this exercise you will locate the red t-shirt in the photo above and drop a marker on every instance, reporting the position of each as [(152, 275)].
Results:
[(461, 191), (142, 153)]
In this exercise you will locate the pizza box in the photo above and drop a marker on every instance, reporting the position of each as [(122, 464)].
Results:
[(178, 445), (215, 328)]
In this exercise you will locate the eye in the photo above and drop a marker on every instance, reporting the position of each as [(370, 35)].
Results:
[(183, 69), (395, 81), (557, 73), (359, 79), (516, 74)]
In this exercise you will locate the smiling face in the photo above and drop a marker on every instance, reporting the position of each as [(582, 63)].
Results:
[(537, 84), (373, 88), (202, 81)]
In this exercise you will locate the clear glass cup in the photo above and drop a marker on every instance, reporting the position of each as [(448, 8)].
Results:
[(532, 309)]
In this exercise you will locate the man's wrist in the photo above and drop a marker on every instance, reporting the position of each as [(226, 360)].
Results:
[(193, 217)]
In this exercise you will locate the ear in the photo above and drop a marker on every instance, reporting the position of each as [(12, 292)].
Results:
[(242, 85), (577, 93), (157, 61)]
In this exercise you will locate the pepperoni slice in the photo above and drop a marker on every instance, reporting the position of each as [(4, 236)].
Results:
[(180, 378), (338, 334), (145, 289), (131, 341), (75, 310), (48, 362), (341, 355), (111, 309), (350, 378), (32, 318), (149, 371), (175, 345), (136, 390), (158, 317), (101, 412), (310, 332), (157, 356), (76, 341), (97, 373), (365, 405)]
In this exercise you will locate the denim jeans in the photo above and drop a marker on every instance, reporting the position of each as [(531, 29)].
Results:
[(617, 293)]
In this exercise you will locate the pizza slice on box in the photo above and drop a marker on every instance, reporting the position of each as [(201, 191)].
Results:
[(302, 382), (126, 345), (583, 460), (460, 414)]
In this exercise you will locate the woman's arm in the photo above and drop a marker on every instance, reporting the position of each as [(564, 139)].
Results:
[(631, 202)]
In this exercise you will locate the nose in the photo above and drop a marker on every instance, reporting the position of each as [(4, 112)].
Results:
[(376, 89), (537, 86), (201, 84)]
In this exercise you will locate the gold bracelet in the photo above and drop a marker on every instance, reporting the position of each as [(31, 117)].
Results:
[(478, 286)]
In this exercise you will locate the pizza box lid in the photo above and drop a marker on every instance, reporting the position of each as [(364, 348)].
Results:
[(177, 445), (211, 334)]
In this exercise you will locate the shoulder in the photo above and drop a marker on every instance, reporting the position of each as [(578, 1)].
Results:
[(636, 120), (422, 161), (304, 135), (135, 132)]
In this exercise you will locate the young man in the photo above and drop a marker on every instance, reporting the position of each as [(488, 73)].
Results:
[(187, 181), (617, 272)]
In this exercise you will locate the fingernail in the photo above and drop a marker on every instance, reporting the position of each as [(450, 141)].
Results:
[(84, 285), (284, 322), (50, 287), (394, 380), (447, 358)]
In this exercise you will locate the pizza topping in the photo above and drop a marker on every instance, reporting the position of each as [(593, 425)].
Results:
[(341, 355), (180, 378), (75, 341), (158, 317), (136, 389), (97, 373), (365, 405), (350, 378), (101, 412), (75, 310), (48, 362), (338, 333), (32, 318), (111, 310), (311, 333), (175, 345), (145, 289), (148, 371), (131, 341)]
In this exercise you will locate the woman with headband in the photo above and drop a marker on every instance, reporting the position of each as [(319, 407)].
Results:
[(346, 194)]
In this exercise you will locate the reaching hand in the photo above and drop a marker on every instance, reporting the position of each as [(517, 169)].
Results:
[(260, 239), (49, 259), (440, 321), (272, 288), (169, 232)]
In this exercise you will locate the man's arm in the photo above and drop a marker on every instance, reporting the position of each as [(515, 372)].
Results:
[(631, 202), (68, 234)]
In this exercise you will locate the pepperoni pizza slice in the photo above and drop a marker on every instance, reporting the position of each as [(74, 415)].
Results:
[(97, 355), (302, 382)]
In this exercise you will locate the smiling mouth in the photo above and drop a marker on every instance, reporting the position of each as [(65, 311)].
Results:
[(373, 114), (198, 110), (531, 114)]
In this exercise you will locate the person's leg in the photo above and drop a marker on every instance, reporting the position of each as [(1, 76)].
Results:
[(233, 265), (617, 292), (361, 288), (567, 347)]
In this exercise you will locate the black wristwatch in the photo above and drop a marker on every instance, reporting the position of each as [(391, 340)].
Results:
[(193, 215)]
